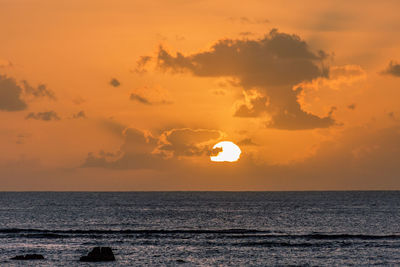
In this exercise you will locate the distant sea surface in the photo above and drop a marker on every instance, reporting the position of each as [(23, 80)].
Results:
[(203, 228)]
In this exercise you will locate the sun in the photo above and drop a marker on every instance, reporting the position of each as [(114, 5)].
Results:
[(230, 152)]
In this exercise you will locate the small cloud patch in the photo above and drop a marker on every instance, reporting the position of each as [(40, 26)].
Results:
[(80, 115), (114, 82), (393, 69), (44, 116)]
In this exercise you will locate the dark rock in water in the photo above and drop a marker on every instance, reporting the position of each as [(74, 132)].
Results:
[(28, 257), (180, 261), (99, 254)]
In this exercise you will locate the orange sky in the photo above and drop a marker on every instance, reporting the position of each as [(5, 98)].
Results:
[(132, 95)]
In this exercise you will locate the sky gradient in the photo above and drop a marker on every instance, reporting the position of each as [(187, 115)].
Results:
[(133, 95)]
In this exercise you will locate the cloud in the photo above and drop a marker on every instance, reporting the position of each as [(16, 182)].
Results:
[(44, 116), (187, 142), (146, 101), (11, 95), (391, 115), (352, 106), (214, 151), (255, 105), (393, 69), (344, 75), (277, 59), (362, 153), (299, 121), (78, 100), (337, 88), (135, 153), (112, 126), (347, 72), (219, 92), (246, 142), (80, 114), (142, 150), (114, 82), (272, 66), (141, 64), (40, 91), (138, 98)]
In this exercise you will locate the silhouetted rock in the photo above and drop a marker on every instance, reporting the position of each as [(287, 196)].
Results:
[(28, 257), (99, 254)]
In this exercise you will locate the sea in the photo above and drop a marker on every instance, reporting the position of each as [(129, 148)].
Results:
[(203, 228)]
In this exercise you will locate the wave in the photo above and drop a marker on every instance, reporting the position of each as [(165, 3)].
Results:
[(225, 233), (293, 244), (133, 231)]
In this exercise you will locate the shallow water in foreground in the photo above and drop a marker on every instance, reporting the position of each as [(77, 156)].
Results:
[(203, 228)]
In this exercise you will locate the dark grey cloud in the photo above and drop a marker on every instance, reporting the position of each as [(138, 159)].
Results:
[(96, 161), (363, 153), (11, 95), (214, 151), (80, 114), (40, 91), (352, 106), (299, 121), (293, 120), (112, 126), (272, 65), (256, 108), (393, 69), (146, 101), (219, 92), (135, 153), (141, 99), (276, 59), (246, 142), (142, 150), (141, 64), (44, 116), (114, 82), (188, 142), (78, 100)]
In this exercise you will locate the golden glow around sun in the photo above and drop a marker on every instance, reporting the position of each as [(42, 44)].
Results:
[(230, 152)]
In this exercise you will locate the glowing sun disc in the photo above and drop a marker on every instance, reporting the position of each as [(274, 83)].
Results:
[(230, 152)]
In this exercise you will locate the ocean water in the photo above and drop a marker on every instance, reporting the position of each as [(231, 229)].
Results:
[(203, 228)]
